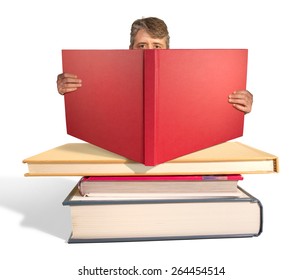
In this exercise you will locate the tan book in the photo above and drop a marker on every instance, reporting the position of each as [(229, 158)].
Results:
[(95, 219), (83, 159)]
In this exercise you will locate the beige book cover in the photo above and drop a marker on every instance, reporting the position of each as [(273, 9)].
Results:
[(84, 159)]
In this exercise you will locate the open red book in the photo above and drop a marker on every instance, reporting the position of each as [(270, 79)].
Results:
[(152, 106)]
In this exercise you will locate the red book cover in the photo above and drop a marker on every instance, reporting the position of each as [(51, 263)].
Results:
[(152, 106)]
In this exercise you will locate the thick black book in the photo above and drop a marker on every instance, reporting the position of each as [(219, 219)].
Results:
[(96, 219)]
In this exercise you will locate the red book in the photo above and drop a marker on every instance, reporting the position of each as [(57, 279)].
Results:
[(160, 186), (152, 106), (231, 177)]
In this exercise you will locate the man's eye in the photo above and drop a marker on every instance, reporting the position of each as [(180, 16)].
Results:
[(157, 47), (141, 46)]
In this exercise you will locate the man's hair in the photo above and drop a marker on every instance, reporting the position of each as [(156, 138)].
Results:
[(155, 27)]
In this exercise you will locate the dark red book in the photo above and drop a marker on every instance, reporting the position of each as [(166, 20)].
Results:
[(152, 106)]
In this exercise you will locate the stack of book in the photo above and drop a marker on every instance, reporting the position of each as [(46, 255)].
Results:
[(118, 199), (157, 161)]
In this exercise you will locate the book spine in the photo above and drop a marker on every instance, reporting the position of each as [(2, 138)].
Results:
[(150, 106)]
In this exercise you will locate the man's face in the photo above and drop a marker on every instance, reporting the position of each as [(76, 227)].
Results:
[(144, 41)]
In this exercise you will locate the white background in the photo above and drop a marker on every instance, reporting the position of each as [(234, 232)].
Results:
[(34, 224)]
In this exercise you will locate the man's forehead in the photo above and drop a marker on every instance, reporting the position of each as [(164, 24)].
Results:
[(143, 37)]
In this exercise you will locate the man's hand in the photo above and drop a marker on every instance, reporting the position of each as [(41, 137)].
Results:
[(67, 82), (242, 100)]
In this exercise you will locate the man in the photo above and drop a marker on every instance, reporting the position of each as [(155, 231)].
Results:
[(152, 33)]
